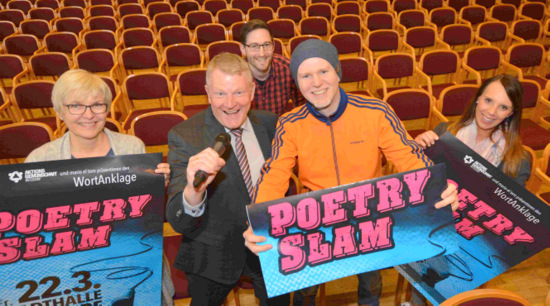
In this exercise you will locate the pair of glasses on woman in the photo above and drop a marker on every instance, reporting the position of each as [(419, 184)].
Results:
[(79, 109)]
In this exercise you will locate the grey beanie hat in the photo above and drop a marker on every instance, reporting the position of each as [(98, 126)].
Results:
[(314, 48)]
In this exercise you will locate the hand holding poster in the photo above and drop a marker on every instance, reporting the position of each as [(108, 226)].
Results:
[(82, 231), (499, 225), (346, 230)]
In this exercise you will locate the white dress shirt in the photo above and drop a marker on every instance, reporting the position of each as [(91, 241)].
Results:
[(255, 161)]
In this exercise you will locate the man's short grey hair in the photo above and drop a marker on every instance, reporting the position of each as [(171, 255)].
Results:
[(231, 64)]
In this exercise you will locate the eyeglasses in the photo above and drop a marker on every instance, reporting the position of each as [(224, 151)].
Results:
[(79, 109), (256, 47)]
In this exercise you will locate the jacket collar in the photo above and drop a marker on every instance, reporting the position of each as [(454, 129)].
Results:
[(339, 111), (260, 131)]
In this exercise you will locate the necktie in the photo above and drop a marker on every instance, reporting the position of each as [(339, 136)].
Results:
[(243, 160)]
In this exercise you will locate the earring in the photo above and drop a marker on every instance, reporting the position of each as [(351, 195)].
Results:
[(507, 122)]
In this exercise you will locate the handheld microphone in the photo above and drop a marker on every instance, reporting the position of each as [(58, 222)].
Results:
[(221, 142)]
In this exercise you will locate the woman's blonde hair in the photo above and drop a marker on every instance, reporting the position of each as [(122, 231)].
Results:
[(83, 83)]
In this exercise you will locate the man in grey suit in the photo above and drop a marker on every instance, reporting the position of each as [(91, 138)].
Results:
[(212, 216)]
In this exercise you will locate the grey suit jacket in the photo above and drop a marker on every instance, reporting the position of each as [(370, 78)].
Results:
[(212, 244)]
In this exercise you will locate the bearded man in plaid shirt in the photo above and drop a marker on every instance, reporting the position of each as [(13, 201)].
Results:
[(275, 90)]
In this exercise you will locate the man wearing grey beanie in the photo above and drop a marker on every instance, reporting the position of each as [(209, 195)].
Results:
[(336, 139)]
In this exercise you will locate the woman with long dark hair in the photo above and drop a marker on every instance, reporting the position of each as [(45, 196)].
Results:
[(490, 126)]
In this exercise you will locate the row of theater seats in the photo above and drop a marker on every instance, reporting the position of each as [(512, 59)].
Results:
[(480, 59), (361, 74), (100, 7), (347, 37), (358, 18), (375, 32), (437, 90), (473, 11), (438, 69)]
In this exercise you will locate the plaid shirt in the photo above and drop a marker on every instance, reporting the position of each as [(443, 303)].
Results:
[(278, 89)]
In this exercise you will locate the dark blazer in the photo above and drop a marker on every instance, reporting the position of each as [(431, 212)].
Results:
[(212, 244)]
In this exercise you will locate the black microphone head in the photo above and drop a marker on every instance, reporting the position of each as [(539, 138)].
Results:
[(221, 143), (224, 138)]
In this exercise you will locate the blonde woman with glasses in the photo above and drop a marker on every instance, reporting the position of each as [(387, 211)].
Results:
[(82, 100)]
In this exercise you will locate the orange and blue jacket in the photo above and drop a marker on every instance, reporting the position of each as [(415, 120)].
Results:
[(341, 149)]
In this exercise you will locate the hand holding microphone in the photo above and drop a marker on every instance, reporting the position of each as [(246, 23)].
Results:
[(221, 142), (203, 167)]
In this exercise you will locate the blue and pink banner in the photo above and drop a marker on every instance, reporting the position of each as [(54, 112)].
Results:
[(82, 232), (499, 224), (333, 233)]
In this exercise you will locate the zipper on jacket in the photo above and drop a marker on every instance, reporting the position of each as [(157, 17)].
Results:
[(334, 153)]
